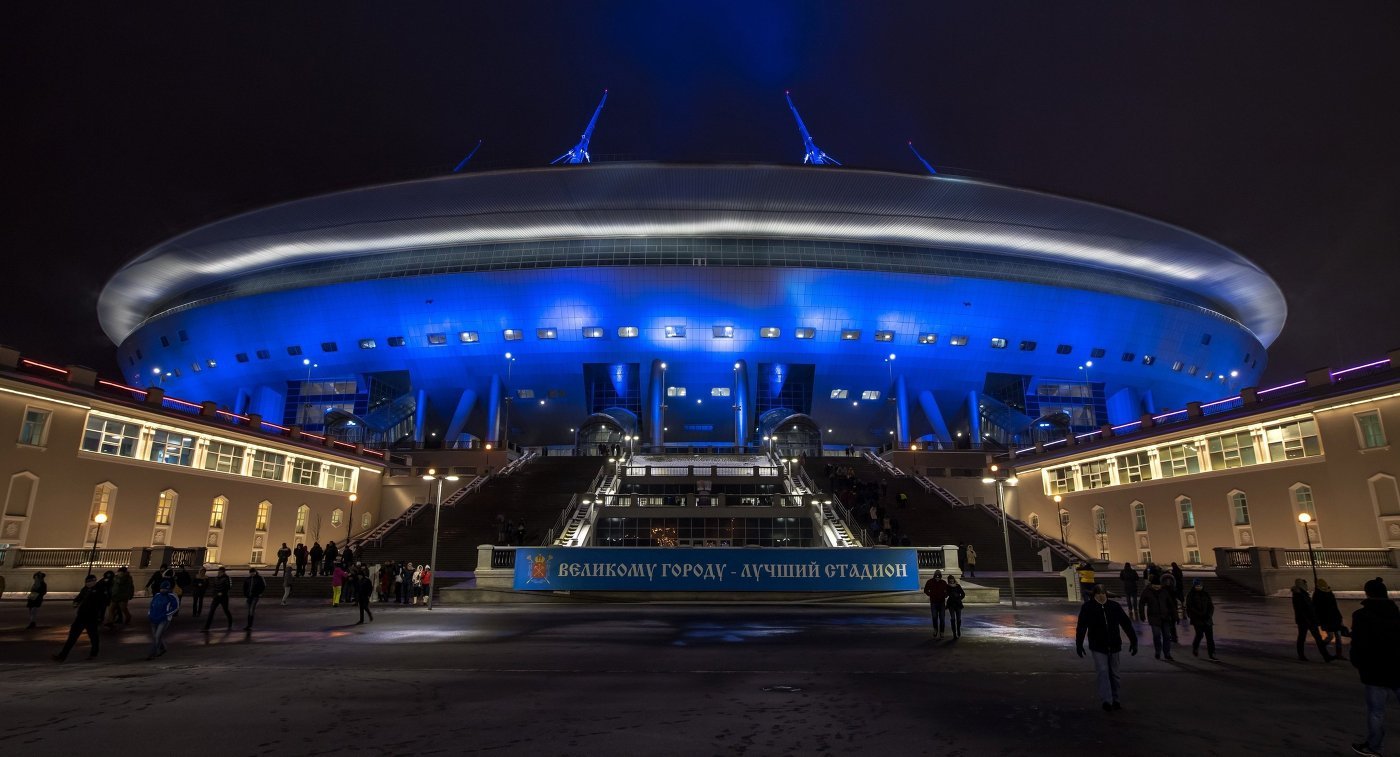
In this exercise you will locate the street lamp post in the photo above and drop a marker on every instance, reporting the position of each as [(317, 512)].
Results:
[(1306, 520), (1001, 480), (350, 520), (99, 519), (437, 521), (1060, 516)]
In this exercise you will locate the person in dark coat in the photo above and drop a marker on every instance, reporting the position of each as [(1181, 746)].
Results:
[(330, 556), (1129, 577), (316, 554), (363, 588), (35, 600), (284, 553), (1329, 616), (199, 586), (221, 586), (936, 589), (1157, 606), (956, 596), (1200, 610), (91, 603), (1375, 653), (253, 587), (1100, 619), (300, 556), (1305, 617)]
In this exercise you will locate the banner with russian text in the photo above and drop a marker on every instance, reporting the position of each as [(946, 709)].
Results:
[(715, 569)]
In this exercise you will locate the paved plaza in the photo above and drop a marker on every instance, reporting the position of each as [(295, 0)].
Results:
[(665, 680)]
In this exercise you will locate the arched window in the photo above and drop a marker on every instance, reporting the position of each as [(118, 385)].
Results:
[(337, 516), (1239, 508), (19, 505), (104, 501), (165, 507), (1187, 512), (1302, 496), (302, 513), (1034, 520), (264, 512), (1100, 520), (217, 510), (1139, 516), (364, 520)]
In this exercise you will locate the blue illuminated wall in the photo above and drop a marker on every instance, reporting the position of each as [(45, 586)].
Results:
[(942, 327)]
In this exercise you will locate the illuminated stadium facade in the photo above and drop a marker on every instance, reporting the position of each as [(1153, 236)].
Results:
[(693, 305)]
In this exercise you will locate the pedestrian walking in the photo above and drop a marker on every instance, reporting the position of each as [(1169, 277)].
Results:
[(1158, 607), (1305, 617), (971, 562), (286, 585), (1085, 572), (91, 603), (425, 581), (1329, 616), (936, 589), (164, 605), (153, 583), (198, 587), (1129, 577), (1100, 619), (35, 600), (1375, 653), (956, 595), (253, 587), (1200, 610), (363, 589), (337, 582), (1169, 586), (183, 582), (221, 586), (123, 589), (283, 553)]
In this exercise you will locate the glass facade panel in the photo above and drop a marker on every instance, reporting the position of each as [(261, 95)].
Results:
[(305, 472), (224, 457), (172, 448), (1094, 474), (1233, 450), (1134, 467), (109, 436), (269, 465), (1290, 441)]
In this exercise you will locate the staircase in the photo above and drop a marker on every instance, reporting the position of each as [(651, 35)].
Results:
[(1027, 587), (930, 520), (534, 493)]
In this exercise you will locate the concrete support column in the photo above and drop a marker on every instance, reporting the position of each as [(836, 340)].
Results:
[(656, 400), (466, 402), (934, 414), (901, 414), (974, 416), (493, 411), (741, 403)]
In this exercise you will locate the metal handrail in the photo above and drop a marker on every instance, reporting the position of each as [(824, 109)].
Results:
[(884, 465)]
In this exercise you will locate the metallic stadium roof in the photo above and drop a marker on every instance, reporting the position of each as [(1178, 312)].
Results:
[(618, 200)]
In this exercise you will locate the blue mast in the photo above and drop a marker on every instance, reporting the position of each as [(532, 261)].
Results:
[(579, 153), (812, 154), (469, 157), (921, 158)]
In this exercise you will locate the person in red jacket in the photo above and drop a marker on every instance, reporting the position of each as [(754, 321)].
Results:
[(937, 591)]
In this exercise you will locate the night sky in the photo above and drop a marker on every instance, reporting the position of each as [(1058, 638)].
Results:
[(1271, 127)]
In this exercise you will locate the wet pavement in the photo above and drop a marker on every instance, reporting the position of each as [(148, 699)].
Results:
[(672, 679)]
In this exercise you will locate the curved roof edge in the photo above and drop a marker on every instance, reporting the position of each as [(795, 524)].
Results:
[(660, 200)]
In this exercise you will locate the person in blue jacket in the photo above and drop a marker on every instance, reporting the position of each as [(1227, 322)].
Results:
[(164, 605)]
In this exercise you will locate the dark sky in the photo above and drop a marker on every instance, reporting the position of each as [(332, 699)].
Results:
[(1272, 127)]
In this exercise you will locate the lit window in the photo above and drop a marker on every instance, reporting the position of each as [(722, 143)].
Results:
[(1061, 480), (1129, 357), (1100, 521), (338, 478), (302, 512), (928, 338), (364, 520), (546, 334), (513, 335), (675, 332), (171, 448), (592, 332), (838, 394), (337, 516), (1064, 349), (675, 391), (1239, 508), (1176, 366), (111, 437), (306, 472), (870, 394), (1370, 430), (1094, 474), (437, 339), (1148, 360), (719, 391), (1027, 346), (241, 357), (468, 337), (525, 394), (1134, 467), (396, 341), (264, 355), (1205, 338), (294, 349), (35, 427), (216, 512), (329, 347), (1097, 352), (367, 344), (260, 521), (627, 332), (723, 332), (1179, 460), (958, 341), (850, 335), (770, 332), (998, 343), (884, 336), (804, 332), (165, 507)]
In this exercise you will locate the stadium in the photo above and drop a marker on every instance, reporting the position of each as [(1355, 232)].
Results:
[(692, 306)]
